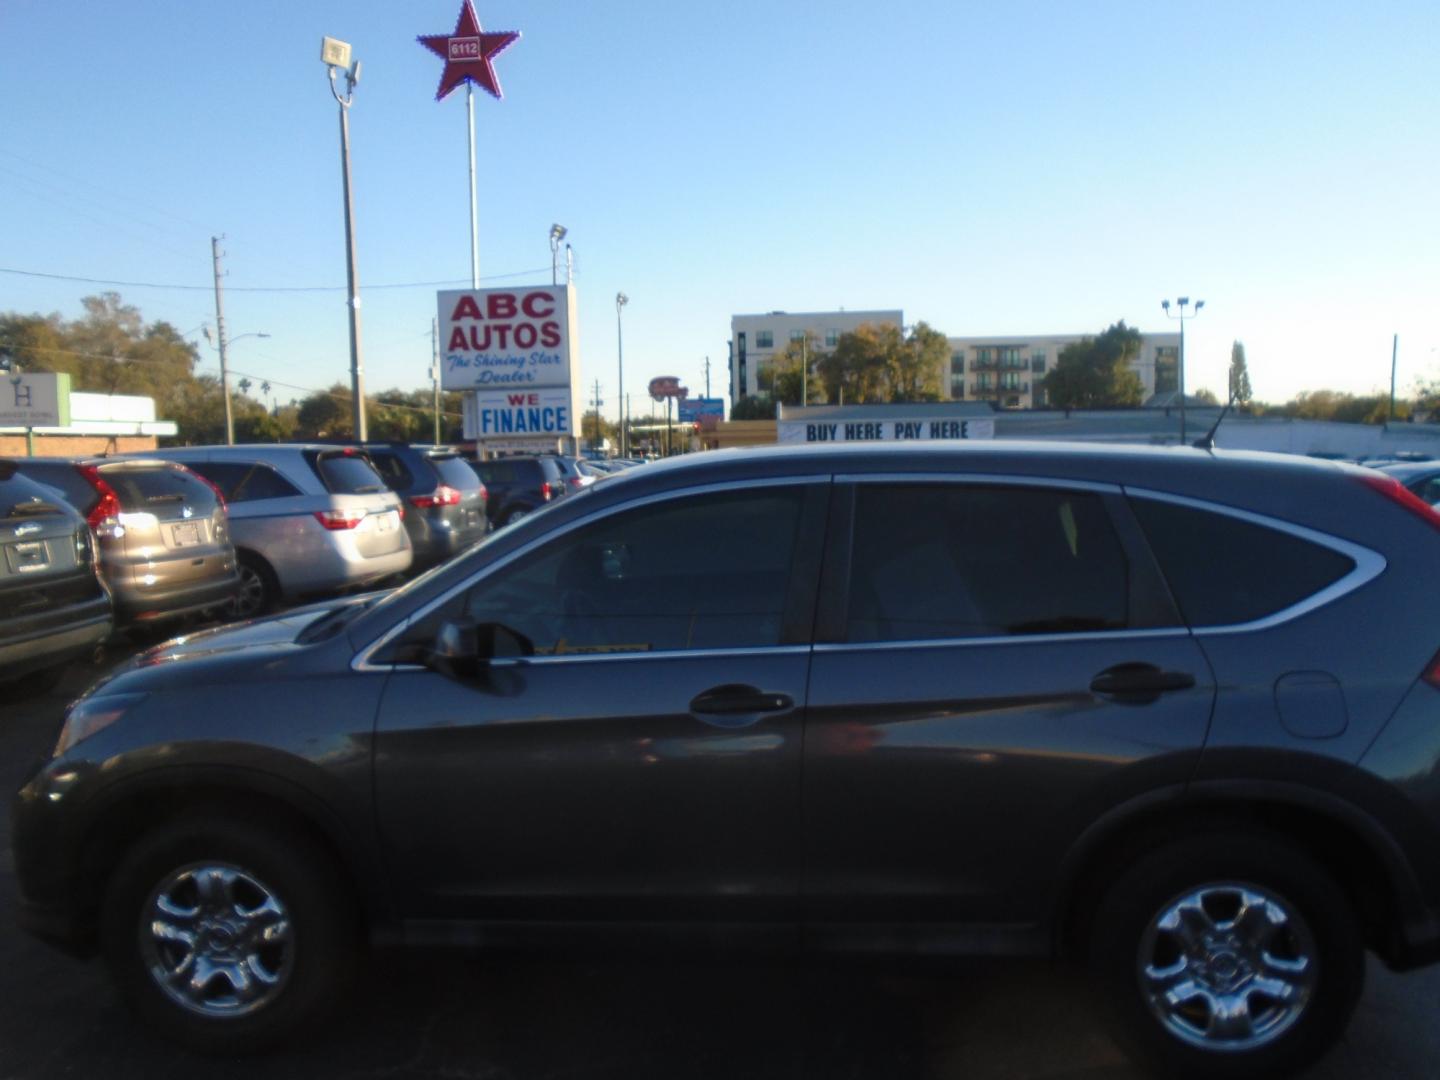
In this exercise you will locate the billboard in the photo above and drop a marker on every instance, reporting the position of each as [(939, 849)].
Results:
[(39, 400), (918, 429), (692, 409), (507, 339)]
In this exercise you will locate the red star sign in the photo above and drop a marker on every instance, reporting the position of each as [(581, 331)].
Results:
[(467, 53)]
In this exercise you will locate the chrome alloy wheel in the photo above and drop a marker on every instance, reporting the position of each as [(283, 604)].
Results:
[(216, 940), (1228, 967)]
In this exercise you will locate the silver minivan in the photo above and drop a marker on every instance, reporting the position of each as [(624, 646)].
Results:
[(307, 520)]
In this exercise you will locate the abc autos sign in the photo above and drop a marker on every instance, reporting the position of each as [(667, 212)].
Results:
[(514, 339)]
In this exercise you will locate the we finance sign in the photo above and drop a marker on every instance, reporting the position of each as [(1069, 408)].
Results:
[(524, 414), (507, 339)]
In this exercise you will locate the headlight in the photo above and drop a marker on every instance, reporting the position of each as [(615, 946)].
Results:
[(93, 714)]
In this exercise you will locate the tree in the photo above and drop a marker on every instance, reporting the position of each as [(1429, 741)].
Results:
[(753, 407), (784, 373), (878, 364), (1239, 376), (594, 429), (1096, 373), (326, 414), (1205, 397)]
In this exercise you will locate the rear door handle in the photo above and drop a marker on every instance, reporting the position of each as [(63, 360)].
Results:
[(734, 704), (1140, 681)]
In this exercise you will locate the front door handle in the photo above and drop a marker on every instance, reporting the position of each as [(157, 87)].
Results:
[(1137, 682), (735, 704)]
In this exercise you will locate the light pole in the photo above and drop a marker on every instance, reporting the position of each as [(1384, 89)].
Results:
[(620, 301), (336, 55), (557, 233), (1181, 303), (222, 346)]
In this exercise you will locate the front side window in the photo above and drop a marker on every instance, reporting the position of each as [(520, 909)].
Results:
[(699, 572), (958, 561)]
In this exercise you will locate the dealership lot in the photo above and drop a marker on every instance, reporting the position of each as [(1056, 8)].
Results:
[(428, 1014)]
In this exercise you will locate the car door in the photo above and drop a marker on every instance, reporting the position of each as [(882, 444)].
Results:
[(644, 762), (998, 663)]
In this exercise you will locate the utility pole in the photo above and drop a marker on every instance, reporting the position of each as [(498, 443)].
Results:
[(435, 371), (620, 301), (1394, 352), (220, 338), (595, 403), (805, 371), (337, 54), (707, 376)]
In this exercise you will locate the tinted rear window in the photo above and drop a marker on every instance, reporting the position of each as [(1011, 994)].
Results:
[(78, 491), (951, 561), (347, 474), (455, 472), (1224, 571), (141, 488)]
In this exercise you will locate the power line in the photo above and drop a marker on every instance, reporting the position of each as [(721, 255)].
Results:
[(265, 288), (205, 365)]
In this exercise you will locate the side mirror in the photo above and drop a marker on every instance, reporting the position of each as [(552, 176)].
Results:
[(463, 647)]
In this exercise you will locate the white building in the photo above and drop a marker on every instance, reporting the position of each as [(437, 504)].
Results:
[(755, 339), (1009, 370)]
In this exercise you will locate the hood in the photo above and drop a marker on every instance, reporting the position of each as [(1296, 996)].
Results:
[(275, 635)]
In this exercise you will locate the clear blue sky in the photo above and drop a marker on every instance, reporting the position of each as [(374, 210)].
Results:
[(992, 168)]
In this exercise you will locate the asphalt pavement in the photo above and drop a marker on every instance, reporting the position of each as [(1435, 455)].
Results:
[(458, 1015)]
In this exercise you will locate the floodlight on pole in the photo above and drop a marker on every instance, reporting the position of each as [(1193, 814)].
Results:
[(336, 56), (1182, 303), (557, 234), (620, 301)]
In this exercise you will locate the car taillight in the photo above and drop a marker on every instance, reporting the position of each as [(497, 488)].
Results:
[(1397, 492), (443, 496), (575, 482), (219, 495), (484, 495), (546, 491), (1431, 674), (104, 518), (340, 519)]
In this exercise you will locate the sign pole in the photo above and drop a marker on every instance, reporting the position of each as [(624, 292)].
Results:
[(474, 231)]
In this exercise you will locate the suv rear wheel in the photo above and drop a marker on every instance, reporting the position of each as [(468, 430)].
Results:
[(227, 936), (1228, 954)]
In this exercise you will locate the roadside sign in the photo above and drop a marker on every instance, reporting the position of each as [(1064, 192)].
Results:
[(35, 400)]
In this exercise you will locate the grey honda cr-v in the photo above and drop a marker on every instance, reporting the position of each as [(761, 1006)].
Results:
[(1174, 712)]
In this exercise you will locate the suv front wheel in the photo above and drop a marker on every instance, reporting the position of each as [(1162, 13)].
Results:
[(1228, 954), (226, 935)]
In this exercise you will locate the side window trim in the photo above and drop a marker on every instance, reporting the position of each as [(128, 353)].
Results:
[(362, 660), (1368, 564)]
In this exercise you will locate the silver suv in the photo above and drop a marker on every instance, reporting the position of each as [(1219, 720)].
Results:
[(306, 520), (162, 540)]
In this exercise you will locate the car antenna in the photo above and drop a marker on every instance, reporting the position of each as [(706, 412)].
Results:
[(1207, 441)]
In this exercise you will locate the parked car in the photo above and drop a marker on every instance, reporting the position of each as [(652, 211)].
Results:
[(999, 699), (520, 485), (161, 533), (445, 498), (307, 520), (576, 476), (53, 607), (1422, 478)]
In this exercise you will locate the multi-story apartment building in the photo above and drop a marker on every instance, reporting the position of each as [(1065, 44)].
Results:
[(756, 339), (1010, 370)]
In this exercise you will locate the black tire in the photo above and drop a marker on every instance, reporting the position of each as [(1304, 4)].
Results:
[(259, 588), (514, 516), (305, 976), (1319, 923)]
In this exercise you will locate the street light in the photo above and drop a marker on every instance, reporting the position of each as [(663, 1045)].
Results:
[(557, 233), (336, 56), (620, 301), (1181, 303), (222, 346)]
